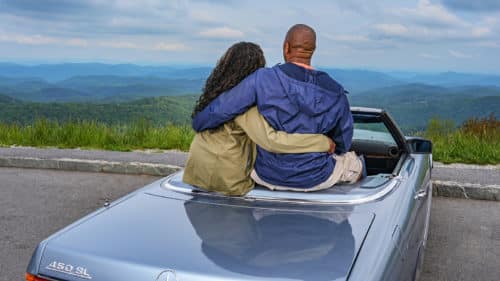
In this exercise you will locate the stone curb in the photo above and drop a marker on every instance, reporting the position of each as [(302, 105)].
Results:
[(440, 188), (466, 166), (83, 165), (466, 190)]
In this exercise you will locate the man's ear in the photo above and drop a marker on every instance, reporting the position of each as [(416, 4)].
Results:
[(286, 48)]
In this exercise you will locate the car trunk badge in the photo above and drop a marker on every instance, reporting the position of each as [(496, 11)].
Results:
[(169, 274)]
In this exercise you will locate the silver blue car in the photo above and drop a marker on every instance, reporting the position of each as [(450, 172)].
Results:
[(374, 230)]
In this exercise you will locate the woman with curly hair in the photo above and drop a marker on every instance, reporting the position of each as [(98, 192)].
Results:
[(221, 160)]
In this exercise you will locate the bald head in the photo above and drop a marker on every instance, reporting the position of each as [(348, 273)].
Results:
[(299, 45)]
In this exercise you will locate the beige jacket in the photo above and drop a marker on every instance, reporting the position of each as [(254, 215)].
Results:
[(222, 160)]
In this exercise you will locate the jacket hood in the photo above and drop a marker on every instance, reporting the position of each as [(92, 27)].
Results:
[(310, 98)]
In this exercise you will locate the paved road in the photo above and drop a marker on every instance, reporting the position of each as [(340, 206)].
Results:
[(464, 237), (464, 241), (36, 203), (458, 173)]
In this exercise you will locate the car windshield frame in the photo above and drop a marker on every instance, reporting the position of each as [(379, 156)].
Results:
[(370, 115)]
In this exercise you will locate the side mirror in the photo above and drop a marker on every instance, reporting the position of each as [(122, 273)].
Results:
[(419, 145)]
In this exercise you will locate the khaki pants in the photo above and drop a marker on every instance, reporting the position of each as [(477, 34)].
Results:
[(348, 169)]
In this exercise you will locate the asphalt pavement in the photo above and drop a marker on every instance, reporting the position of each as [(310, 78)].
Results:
[(463, 242), (464, 237), (36, 203)]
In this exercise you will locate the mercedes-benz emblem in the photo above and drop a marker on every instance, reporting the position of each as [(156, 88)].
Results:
[(169, 274)]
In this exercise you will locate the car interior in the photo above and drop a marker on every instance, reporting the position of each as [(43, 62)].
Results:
[(373, 140)]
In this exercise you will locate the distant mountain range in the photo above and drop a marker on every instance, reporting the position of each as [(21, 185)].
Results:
[(103, 88), (58, 72), (355, 80), (123, 92)]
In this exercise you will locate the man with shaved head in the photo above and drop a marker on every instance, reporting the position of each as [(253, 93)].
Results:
[(296, 98), (299, 44)]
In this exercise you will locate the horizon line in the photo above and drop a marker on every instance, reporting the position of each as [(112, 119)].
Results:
[(194, 65)]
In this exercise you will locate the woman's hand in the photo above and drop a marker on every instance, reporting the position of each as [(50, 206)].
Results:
[(332, 146)]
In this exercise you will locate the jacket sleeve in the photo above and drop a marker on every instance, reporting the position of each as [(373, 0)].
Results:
[(343, 131), (227, 106), (261, 133)]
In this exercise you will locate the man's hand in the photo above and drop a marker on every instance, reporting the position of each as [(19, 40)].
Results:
[(332, 146)]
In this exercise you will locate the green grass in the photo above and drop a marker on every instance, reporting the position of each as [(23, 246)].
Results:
[(477, 141), (95, 135)]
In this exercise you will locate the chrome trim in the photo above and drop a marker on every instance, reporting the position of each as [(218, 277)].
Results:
[(47, 278), (421, 194), (360, 109), (170, 273), (348, 201)]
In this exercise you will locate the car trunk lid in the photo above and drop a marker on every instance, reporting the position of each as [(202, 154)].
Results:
[(195, 238)]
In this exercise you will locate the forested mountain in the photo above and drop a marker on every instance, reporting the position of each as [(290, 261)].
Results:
[(157, 110), (414, 105), (97, 88), (126, 92), (357, 81), (7, 100)]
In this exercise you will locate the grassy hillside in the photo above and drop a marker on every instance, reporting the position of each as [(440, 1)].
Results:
[(476, 141)]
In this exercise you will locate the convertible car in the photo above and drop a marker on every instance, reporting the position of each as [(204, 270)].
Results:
[(375, 229)]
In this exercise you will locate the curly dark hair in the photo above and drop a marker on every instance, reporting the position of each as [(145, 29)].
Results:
[(239, 61)]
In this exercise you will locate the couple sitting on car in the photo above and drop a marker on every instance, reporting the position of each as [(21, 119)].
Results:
[(271, 126)]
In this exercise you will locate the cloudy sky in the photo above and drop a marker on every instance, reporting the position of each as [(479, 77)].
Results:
[(429, 35)]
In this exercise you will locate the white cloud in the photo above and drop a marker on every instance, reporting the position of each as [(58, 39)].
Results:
[(119, 45), (28, 39), (430, 14), (203, 16), (459, 55), (38, 39), (77, 42), (222, 32), (161, 46), (429, 56), (487, 44), (395, 29), (431, 22), (480, 31), (345, 38), (170, 47)]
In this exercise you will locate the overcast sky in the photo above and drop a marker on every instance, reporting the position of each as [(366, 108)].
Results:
[(432, 35)]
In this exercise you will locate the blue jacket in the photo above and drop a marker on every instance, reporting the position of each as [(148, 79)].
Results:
[(290, 103)]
